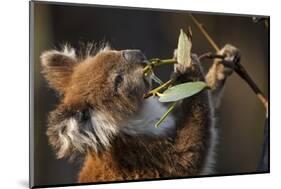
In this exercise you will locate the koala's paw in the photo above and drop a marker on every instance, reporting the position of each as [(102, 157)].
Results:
[(232, 57), (221, 69), (184, 68), (188, 72)]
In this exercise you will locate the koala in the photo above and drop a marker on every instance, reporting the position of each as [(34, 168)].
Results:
[(103, 116)]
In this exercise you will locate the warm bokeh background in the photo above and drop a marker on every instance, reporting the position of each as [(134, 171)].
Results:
[(155, 33)]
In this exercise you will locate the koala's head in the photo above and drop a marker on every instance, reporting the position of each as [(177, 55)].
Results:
[(97, 93)]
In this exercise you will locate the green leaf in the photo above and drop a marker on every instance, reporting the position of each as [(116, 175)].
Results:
[(164, 116), (184, 48), (182, 91)]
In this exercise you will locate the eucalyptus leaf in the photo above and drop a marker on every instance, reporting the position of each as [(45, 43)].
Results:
[(184, 48), (182, 91)]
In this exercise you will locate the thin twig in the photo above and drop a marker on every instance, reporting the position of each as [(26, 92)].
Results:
[(205, 33), (160, 88), (157, 62)]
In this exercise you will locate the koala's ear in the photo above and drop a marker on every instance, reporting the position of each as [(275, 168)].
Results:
[(57, 67), (67, 132), (72, 132)]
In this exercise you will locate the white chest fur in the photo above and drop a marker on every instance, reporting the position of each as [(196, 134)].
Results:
[(143, 122)]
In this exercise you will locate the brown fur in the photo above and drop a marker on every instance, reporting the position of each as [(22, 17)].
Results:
[(57, 69), (108, 84), (145, 157), (91, 84)]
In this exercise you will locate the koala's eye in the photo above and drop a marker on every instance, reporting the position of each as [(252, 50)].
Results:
[(117, 81)]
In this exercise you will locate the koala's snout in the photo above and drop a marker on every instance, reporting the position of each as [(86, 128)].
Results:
[(134, 56)]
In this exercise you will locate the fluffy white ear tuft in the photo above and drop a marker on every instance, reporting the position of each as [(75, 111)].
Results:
[(57, 58), (69, 52), (57, 67), (105, 47)]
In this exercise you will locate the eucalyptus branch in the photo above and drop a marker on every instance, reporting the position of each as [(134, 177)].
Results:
[(239, 69), (157, 62), (159, 89), (205, 33)]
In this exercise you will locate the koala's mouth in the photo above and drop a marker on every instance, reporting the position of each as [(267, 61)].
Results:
[(137, 57)]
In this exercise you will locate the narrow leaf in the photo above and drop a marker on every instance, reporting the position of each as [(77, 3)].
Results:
[(184, 48), (182, 91)]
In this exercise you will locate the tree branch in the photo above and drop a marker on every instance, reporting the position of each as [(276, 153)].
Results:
[(239, 69)]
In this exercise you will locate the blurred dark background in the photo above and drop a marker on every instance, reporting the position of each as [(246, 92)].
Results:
[(155, 32)]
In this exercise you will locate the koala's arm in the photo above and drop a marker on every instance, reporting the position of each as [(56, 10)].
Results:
[(218, 73), (195, 129), (193, 123)]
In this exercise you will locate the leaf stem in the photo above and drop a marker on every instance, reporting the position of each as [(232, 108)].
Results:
[(154, 92), (171, 107), (157, 62)]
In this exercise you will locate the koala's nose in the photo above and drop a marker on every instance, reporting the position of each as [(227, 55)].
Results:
[(134, 56)]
